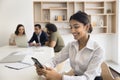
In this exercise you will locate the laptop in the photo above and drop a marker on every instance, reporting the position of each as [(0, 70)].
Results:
[(21, 41), (12, 58)]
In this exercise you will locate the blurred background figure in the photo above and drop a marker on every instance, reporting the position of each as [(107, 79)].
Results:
[(55, 39), (39, 36), (19, 32)]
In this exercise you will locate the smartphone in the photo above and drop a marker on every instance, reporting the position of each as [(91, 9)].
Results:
[(37, 62)]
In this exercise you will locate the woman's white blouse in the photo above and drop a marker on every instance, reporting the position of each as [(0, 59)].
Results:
[(86, 62), (13, 38)]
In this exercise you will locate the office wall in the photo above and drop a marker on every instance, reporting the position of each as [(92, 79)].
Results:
[(13, 12), (118, 56)]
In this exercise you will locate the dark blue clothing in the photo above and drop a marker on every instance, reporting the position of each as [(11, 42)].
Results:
[(43, 38), (98, 78)]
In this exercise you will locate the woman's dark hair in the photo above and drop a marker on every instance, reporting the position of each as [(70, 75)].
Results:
[(51, 27), (82, 17), (18, 26), (37, 25)]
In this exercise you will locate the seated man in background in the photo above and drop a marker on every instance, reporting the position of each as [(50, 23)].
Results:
[(55, 39), (39, 36)]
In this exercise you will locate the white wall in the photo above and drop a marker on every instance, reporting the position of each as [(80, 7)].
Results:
[(13, 12), (118, 31)]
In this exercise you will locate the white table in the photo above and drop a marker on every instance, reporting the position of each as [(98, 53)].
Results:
[(43, 53)]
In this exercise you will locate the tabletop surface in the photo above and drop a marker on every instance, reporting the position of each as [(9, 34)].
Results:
[(41, 53)]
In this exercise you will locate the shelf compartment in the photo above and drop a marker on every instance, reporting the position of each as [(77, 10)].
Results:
[(71, 9), (59, 21), (54, 5), (59, 8), (94, 4), (110, 14), (60, 15), (95, 11), (45, 15), (111, 23), (46, 21), (99, 21), (97, 14), (99, 30), (37, 11), (94, 8), (79, 6), (110, 7)]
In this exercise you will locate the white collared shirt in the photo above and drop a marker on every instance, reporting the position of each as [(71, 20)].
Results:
[(86, 62), (38, 36)]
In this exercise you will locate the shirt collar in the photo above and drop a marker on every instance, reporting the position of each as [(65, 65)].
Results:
[(39, 33), (89, 45)]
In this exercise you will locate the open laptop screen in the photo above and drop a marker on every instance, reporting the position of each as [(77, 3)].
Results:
[(21, 41)]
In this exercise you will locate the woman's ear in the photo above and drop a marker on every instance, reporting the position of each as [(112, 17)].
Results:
[(87, 27)]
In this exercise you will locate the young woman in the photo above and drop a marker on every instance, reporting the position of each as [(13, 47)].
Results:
[(86, 56), (19, 32), (55, 39)]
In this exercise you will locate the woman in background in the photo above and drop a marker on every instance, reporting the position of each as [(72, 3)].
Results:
[(19, 32), (86, 55), (55, 40)]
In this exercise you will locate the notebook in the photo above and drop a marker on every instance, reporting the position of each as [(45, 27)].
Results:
[(21, 41), (12, 58), (17, 66)]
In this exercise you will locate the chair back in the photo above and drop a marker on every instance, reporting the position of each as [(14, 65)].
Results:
[(106, 73)]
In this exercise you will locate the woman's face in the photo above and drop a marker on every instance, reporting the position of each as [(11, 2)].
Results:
[(79, 30), (21, 30)]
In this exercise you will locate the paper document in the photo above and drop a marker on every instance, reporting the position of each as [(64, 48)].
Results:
[(17, 65), (12, 58), (26, 52)]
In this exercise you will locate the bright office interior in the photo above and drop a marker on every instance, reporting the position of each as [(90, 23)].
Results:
[(13, 12)]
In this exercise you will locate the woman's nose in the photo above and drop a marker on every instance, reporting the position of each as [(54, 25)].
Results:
[(72, 29)]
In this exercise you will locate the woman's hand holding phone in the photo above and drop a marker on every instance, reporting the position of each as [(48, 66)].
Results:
[(49, 73), (39, 67), (39, 70)]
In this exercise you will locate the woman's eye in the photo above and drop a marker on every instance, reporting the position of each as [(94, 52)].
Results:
[(76, 27)]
